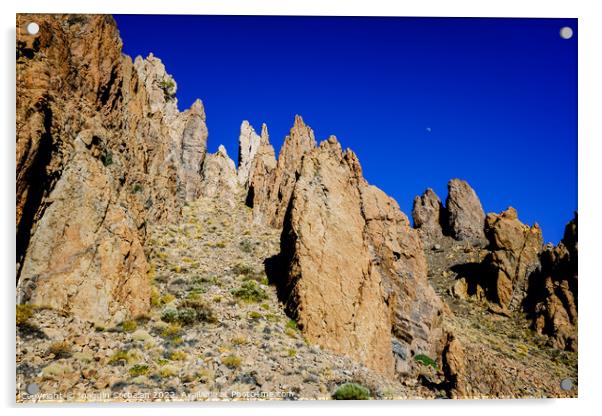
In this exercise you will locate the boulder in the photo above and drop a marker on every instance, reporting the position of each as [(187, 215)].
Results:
[(465, 215), (428, 214), (514, 256)]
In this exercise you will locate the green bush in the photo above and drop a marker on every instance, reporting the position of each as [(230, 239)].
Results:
[(138, 370), (189, 312), (243, 269), (129, 326), (203, 312), (231, 361), (425, 360), (351, 391), (169, 315), (23, 314), (250, 292), (106, 158), (246, 246)]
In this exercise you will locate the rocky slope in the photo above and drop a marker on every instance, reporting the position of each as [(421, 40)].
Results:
[(502, 296), (147, 266)]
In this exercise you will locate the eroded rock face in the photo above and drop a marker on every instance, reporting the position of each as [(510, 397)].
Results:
[(465, 215), (553, 291), (219, 178), (271, 187), (454, 367), (428, 214), (355, 273), (248, 145), (100, 145), (514, 255)]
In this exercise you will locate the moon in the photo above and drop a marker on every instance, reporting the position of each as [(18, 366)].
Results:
[(566, 32)]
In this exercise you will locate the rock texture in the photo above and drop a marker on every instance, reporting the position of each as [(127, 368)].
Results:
[(454, 367), (514, 255), (354, 271), (248, 145), (465, 215), (101, 150), (219, 178), (271, 186), (428, 214), (553, 291)]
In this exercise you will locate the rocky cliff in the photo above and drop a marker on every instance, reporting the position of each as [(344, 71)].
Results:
[(102, 151), (352, 271)]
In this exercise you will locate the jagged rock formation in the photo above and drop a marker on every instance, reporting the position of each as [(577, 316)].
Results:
[(355, 273), (514, 255), (553, 291), (248, 145), (465, 215), (335, 291), (218, 178), (428, 214), (271, 187), (101, 151)]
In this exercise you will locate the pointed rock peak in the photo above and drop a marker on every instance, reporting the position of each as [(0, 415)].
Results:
[(298, 121), (265, 136), (245, 126), (510, 213), (428, 213), (198, 108), (330, 143), (248, 145), (221, 150)]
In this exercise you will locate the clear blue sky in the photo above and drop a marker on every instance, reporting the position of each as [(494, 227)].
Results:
[(420, 100)]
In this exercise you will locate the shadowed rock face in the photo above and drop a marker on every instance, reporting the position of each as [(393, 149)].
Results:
[(465, 215), (514, 255), (101, 150), (354, 273), (271, 183), (553, 292)]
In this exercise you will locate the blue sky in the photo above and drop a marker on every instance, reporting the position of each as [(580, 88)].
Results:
[(420, 100)]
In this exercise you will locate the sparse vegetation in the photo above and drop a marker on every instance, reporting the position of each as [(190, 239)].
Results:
[(239, 340), (351, 391), (129, 326), (425, 360), (189, 312), (123, 356), (178, 356), (23, 314), (231, 361), (60, 349), (292, 352), (168, 87), (250, 292), (138, 370), (246, 246), (107, 158), (254, 315)]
